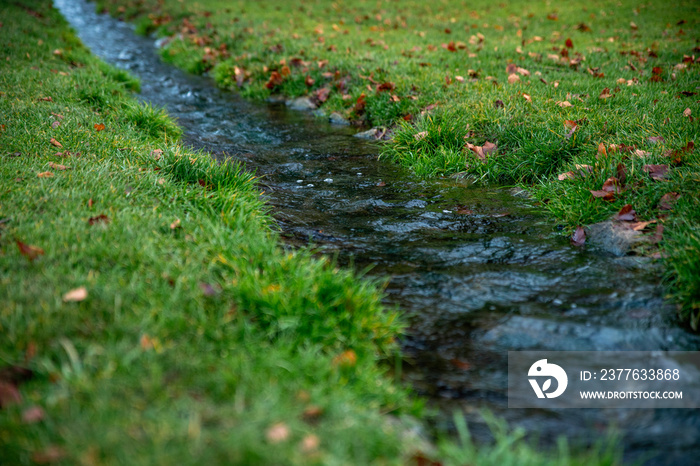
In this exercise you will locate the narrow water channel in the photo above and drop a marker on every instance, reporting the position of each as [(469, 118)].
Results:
[(477, 270)]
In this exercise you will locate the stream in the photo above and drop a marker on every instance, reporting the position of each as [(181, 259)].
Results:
[(478, 271)]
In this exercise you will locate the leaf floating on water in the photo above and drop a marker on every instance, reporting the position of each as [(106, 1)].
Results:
[(579, 236)]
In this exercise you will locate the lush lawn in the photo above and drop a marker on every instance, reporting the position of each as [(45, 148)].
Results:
[(148, 314), (546, 83)]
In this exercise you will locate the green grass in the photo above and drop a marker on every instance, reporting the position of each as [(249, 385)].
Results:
[(200, 340), (444, 66)]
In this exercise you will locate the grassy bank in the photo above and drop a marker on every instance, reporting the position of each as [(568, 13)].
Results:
[(149, 315), (583, 91)]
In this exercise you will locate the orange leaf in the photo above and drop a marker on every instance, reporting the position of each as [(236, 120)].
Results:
[(99, 126), (345, 359), (44, 175), (55, 143)]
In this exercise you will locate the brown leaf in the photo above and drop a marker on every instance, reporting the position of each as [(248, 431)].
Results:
[(277, 433), (668, 200), (55, 124), (345, 359), (579, 236), (28, 251), (513, 78), (687, 112), (76, 295), (621, 173), (626, 214), (387, 86), (483, 151), (46, 99), (175, 225), (310, 443), (102, 218), (638, 226), (527, 97), (285, 71), (566, 176), (99, 126), (605, 94), (570, 124), (44, 175), (90, 203), (57, 166), (55, 143), (360, 104), (309, 81), (498, 104), (51, 454), (274, 81), (605, 195), (659, 233), (33, 414), (420, 135), (601, 150), (655, 139), (657, 172), (565, 104), (239, 75), (612, 185), (322, 94), (9, 394)]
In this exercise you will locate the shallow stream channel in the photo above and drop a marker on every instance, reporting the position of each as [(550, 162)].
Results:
[(478, 271)]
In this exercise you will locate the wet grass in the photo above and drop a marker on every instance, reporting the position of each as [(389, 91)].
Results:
[(511, 73), (149, 315)]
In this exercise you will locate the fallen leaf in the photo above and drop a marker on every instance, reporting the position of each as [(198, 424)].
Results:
[(601, 150), (483, 151), (527, 97), (658, 234), (345, 359), (312, 413), (90, 203), (208, 290), (277, 433), (322, 94), (360, 104), (57, 166), (513, 78), (621, 173), (76, 295), (605, 94), (668, 200), (656, 139), (569, 44), (44, 175), (579, 236), (626, 214), (498, 104), (657, 172), (687, 112), (638, 226), (420, 135), (612, 185), (566, 176), (381, 184), (99, 126), (28, 251), (102, 218), (564, 104), (309, 81), (33, 414), (55, 124), (461, 364), (9, 394), (46, 99), (55, 143), (274, 81), (51, 454), (310, 443), (175, 225)]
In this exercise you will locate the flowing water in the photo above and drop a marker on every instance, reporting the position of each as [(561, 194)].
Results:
[(477, 270)]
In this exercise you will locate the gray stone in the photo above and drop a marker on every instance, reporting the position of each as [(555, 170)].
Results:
[(338, 119), (301, 103), (369, 134), (613, 237)]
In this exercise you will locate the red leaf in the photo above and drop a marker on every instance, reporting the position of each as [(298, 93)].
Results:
[(579, 236), (360, 104), (626, 214), (30, 252), (100, 218), (569, 44)]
